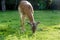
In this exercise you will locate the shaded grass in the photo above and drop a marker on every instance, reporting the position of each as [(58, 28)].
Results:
[(48, 29)]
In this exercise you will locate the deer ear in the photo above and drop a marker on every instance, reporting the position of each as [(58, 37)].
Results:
[(37, 23)]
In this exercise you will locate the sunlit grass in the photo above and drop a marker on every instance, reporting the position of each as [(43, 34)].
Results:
[(48, 29), (49, 34)]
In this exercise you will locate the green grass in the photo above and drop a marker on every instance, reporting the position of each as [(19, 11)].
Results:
[(48, 29)]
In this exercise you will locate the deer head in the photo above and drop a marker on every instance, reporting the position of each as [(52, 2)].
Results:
[(34, 25)]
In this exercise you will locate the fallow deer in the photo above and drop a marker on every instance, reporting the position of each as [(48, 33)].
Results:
[(26, 10)]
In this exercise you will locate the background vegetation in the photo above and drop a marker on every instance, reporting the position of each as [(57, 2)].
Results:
[(37, 4)]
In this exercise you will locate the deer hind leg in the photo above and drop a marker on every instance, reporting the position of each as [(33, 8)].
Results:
[(22, 16), (22, 22)]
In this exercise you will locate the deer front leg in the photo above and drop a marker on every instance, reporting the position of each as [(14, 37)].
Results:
[(32, 22)]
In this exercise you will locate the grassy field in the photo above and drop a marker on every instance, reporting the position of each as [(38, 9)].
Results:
[(48, 29)]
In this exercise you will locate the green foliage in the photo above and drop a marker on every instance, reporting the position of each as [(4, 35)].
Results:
[(42, 4)]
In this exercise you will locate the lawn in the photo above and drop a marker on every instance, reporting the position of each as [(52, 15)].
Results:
[(48, 29)]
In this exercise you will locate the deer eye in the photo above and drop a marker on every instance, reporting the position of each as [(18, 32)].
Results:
[(34, 24)]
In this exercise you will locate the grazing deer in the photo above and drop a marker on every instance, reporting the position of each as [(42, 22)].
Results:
[(26, 9)]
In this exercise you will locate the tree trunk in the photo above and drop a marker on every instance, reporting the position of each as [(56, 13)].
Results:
[(48, 4), (16, 4), (3, 5)]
